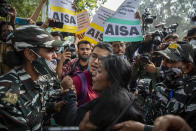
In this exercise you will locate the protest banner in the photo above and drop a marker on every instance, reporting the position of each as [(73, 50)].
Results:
[(82, 24), (62, 11), (123, 25), (94, 33)]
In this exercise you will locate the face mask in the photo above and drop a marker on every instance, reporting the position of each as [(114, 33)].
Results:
[(170, 75), (44, 66), (7, 36), (192, 42)]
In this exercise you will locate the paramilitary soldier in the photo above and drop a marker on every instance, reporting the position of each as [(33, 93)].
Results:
[(31, 90), (176, 94)]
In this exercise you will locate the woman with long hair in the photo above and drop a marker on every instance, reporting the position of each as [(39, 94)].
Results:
[(114, 104)]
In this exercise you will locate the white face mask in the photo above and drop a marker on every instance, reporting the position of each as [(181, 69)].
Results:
[(52, 65), (192, 42), (44, 66)]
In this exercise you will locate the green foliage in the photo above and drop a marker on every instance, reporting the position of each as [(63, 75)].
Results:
[(88, 4), (167, 11), (25, 8)]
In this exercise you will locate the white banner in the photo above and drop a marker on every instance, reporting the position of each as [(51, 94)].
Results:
[(123, 25), (127, 10), (62, 11), (94, 33)]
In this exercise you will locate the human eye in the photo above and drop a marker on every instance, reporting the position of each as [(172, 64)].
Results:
[(94, 55), (121, 44)]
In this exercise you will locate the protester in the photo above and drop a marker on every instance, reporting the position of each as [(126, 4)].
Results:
[(119, 48), (83, 80), (58, 50), (75, 65), (112, 83), (5, 29)]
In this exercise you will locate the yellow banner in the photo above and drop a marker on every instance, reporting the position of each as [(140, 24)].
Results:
[(101, 29), (94, 33), (62, 10), (63, 14), (66, 28), (90, 40)]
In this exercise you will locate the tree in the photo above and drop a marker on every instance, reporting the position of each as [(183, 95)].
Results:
[(169, 12), (25, 8), (88, 4)]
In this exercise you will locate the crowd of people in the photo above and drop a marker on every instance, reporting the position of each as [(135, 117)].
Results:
[(124, 86)]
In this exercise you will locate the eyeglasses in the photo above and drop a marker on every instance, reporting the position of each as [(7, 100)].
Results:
[(95, 56), (118, 45)]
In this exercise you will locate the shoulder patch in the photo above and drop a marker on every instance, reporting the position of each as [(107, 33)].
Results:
[(10, 98)]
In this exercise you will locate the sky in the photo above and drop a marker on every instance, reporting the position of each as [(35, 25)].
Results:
[(113, 4)]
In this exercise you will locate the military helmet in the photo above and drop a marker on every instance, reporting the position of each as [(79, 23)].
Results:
[(31, 36), (178, 52)]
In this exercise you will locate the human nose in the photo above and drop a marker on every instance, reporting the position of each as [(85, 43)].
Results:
[(54, 55), (85, 50), (120, 47), (96, 60)]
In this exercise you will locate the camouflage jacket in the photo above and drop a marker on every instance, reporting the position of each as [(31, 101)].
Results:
[(181, 100), (24, 103)]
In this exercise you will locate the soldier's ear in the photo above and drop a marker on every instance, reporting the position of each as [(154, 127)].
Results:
[(189, 68), (29, 55)]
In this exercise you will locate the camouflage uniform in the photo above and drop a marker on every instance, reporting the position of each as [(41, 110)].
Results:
[(3, 67), (178, 100), (24, 103)]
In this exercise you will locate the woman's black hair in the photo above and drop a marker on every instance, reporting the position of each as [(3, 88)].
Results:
[(83, 42), (105, 46), (114, 99), (146, 47), (118, 70), (110, 106)]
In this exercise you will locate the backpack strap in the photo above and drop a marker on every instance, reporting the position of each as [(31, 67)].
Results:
[(84, 90)]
